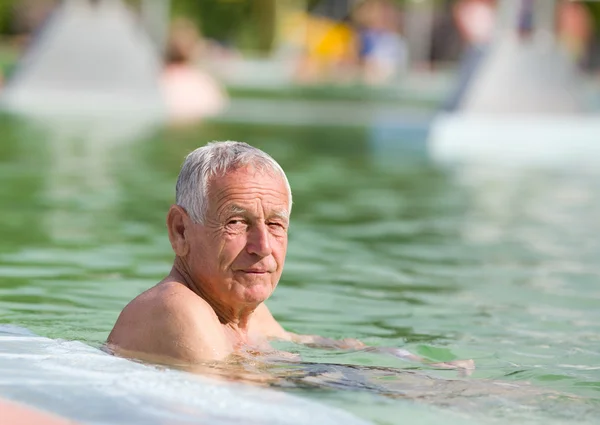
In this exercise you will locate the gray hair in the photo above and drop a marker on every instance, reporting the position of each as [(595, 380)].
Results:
[(216, 159)]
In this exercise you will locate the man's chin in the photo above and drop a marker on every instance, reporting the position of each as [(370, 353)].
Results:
[(255, 291)]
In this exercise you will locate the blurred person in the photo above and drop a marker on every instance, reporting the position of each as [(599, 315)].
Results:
[(575, 28), (475, 22), (383, 51), (459, 25), (190, 93), (525, 19), (229, 232), (446, 42)]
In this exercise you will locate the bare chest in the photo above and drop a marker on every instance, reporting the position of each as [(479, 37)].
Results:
[(245, 342)]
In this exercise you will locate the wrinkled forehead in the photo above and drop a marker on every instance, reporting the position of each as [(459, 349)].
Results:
[(244, 173), (246, 182)]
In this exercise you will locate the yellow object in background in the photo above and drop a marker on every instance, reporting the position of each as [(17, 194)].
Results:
[(329, 40), (327, 48)]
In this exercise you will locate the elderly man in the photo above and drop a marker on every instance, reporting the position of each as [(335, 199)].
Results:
[(228, 230)]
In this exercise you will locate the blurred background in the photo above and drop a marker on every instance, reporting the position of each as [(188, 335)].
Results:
[(415, 54), (443, 157)]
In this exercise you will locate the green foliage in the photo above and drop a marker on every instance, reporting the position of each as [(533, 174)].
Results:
[(5, 15), (218, 19), (247, 24), (594, 8)]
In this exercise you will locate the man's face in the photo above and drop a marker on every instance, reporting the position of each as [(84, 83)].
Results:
[(237, 255)]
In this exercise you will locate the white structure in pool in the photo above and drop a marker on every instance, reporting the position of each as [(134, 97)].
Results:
[(525, 103), (91, 57)]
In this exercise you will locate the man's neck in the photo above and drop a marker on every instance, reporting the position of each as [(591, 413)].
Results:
[(235, 319)]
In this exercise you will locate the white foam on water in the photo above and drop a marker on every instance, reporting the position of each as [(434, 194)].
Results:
[(82, 383)]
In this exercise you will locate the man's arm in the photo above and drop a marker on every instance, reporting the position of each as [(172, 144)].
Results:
[(269, 326), (166, 325), (276, 331), (354, 344), (323, 342)]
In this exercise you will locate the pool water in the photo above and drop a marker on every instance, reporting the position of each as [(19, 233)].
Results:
[(492, 263)]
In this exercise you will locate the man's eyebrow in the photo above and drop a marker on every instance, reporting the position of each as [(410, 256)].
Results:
[(282, 214), (235, 209)]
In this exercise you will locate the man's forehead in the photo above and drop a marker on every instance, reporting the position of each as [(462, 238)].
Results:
[(246, 187), (250, 171), (246, 174), (247, 183)]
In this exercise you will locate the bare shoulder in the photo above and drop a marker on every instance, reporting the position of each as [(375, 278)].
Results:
[(167, 299), (169, 321)]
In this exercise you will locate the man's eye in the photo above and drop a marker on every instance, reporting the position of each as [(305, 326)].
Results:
[(276, 225), (236, 224)]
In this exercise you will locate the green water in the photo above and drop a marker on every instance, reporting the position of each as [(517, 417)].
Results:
[(498, 265)]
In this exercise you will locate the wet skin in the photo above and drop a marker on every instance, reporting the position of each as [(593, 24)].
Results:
[(211, 304)]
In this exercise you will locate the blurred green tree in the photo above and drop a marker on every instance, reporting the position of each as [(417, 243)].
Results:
[(218, 19), (247, 24), (5, 16)]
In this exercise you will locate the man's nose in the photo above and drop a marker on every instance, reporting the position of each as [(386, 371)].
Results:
[(259, 242)]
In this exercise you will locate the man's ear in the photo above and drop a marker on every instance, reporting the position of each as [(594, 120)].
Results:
[(177, 225)]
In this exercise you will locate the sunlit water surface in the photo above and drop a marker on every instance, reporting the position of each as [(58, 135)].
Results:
[(494, 264)]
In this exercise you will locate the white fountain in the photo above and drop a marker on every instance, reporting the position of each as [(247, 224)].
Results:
[(87, 86), (525, 103), (91, 58)]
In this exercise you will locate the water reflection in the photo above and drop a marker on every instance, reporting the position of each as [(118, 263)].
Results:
[(84, 157)]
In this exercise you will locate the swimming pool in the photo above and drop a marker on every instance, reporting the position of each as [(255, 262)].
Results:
[(495, 264)]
